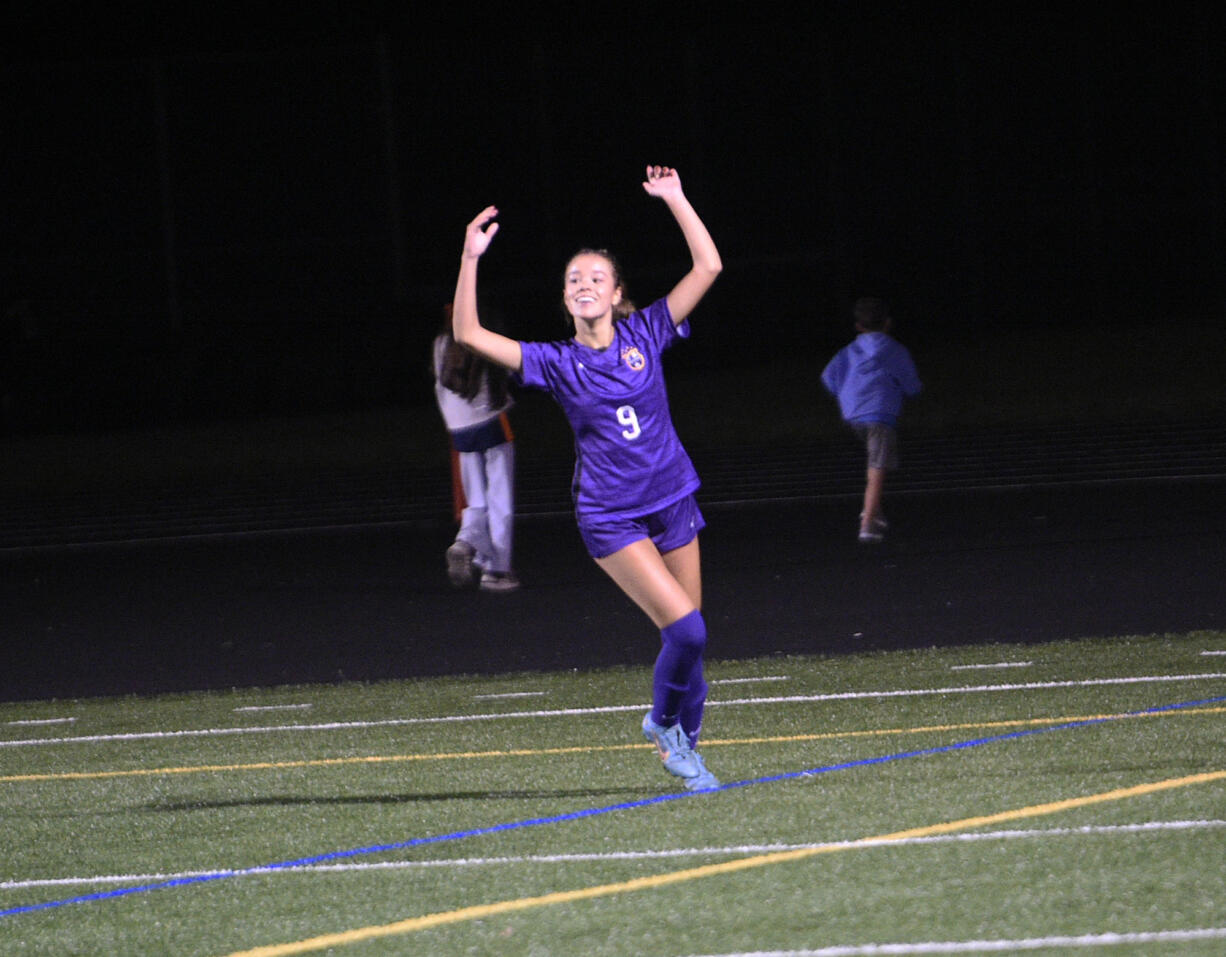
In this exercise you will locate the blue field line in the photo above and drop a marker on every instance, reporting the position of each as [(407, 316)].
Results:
[(593, 812)]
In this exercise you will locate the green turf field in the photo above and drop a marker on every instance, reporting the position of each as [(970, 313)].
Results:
[(1059, 798)]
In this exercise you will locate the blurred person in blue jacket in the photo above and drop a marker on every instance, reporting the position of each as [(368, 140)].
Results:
[(870, 377)]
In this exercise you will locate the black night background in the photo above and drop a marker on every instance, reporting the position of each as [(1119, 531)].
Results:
[(208, 219)]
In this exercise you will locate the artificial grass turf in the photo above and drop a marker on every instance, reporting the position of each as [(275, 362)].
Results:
[(268, 796)]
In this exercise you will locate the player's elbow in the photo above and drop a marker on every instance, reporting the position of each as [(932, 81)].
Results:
[(466, 333)]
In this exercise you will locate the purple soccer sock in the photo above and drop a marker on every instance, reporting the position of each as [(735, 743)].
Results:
[(681, 648), (692, 705)]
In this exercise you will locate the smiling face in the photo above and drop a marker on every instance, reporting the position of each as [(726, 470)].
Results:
[(590, 287)]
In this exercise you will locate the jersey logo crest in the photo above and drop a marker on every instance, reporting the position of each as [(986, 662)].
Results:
[(634, 359)]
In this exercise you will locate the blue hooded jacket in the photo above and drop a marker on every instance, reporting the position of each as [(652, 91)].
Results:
[(870, 377)]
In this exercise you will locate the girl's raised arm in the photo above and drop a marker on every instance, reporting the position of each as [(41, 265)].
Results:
[(664, 183), (465, 324)]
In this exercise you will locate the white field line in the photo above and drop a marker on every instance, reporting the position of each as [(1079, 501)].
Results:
[(998, 664), (746, 681), (1211, 653), (1148, 827), (29, 722), (606, 709), (275, 707), (509, 694), (997, 946)]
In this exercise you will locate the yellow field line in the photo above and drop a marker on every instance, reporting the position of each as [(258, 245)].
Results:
[(581, 749), (426, 921)]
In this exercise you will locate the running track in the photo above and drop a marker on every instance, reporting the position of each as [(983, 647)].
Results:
[(1018, 537)]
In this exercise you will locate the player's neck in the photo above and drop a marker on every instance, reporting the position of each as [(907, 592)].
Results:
[(595, 333)]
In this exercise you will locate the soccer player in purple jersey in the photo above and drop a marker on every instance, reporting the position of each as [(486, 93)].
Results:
[(634, 484)]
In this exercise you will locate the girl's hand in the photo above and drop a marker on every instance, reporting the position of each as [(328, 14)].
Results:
[(662, 181), (480, 232)]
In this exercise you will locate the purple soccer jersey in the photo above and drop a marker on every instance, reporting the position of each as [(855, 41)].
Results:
[(629, 460)]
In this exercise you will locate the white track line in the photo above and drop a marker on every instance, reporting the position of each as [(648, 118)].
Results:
[(1148, 827), (996, 946), (607, 709)]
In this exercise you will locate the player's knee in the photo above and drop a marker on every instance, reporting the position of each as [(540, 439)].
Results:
[(687, 634)]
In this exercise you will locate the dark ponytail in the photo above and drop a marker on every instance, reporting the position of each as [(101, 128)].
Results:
[(463, 371)]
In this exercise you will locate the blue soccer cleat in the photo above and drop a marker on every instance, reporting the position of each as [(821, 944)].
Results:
[(703, 780), (678, 757)]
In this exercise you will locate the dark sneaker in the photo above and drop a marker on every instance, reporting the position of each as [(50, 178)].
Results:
[(460, 563), (874, 531), (499, 581)]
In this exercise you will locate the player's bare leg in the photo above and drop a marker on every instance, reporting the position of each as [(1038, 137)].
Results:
[(642, 573), (872, 521), (686, 567)]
